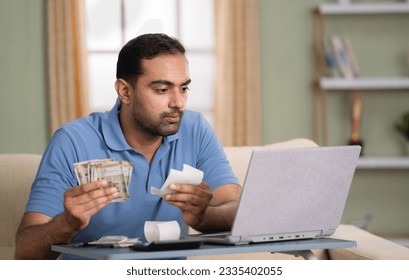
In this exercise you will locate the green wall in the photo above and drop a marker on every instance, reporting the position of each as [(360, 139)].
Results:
[(23, 109), (380, 43), (286, 74)]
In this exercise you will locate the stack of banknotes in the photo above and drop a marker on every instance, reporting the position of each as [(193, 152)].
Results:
[(117, 173)]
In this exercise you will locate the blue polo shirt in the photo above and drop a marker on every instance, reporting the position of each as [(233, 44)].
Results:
[(99, 136)]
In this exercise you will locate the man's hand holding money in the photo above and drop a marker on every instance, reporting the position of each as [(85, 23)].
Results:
[(83, 201)]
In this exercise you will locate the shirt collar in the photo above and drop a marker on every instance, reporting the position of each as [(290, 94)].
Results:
[(112, 131)]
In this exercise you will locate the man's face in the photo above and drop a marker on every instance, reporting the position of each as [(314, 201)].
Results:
[(160, 94)]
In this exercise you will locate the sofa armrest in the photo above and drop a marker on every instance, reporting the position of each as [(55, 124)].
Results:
[(369, 246), (17, 172)]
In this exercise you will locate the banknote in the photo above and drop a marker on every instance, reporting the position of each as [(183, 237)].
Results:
[(127, 171), (82, 169), (117, 173), (113, 173)]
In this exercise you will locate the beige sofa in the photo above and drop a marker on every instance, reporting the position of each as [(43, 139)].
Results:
[(17, 172)]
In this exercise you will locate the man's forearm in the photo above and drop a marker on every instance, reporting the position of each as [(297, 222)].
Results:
[(218, 218), (34, 242)]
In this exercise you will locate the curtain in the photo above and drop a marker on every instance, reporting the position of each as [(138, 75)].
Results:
[(238, 89), (67, 72)]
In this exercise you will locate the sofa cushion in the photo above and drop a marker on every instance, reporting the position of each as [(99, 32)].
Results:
[(369, 246)]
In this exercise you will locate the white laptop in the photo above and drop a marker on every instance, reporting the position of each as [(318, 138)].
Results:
[(292, 194)]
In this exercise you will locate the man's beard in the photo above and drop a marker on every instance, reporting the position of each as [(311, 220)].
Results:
[(161, 127)]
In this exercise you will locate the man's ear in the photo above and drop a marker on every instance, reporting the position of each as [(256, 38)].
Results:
[(123, 90)]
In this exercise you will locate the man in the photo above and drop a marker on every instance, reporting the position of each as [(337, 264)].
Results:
[(149, 127)]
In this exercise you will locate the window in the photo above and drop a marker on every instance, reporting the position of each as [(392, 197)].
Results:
[(111, 23)]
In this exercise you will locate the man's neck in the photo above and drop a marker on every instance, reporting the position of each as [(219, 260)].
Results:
[(142, 141), (146, 147)]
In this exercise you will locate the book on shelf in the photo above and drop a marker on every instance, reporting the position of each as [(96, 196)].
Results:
[(356, 72), (331, 61), (341, 59)]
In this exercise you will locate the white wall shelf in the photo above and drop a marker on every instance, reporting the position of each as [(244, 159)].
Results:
[(381, 83), (363, 8), (322, 85), (383, 162)]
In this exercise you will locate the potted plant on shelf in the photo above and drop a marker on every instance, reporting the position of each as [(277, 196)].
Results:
[(403, 127)]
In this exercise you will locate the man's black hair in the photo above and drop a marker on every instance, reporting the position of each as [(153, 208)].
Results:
[(147, 46)]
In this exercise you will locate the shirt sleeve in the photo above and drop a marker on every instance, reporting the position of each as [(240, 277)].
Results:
[(211, 157), (55, 175)]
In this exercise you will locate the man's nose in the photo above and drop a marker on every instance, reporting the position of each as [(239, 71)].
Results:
[(177, 99)]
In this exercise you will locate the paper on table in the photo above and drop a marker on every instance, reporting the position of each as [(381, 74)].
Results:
[(189, 175), (159, 231), (117, 241)]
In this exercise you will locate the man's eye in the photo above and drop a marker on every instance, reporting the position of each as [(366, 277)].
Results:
[(162, 90), (185, 89)]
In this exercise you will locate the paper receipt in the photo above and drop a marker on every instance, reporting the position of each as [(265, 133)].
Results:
[(161, 231), (189, 175)]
